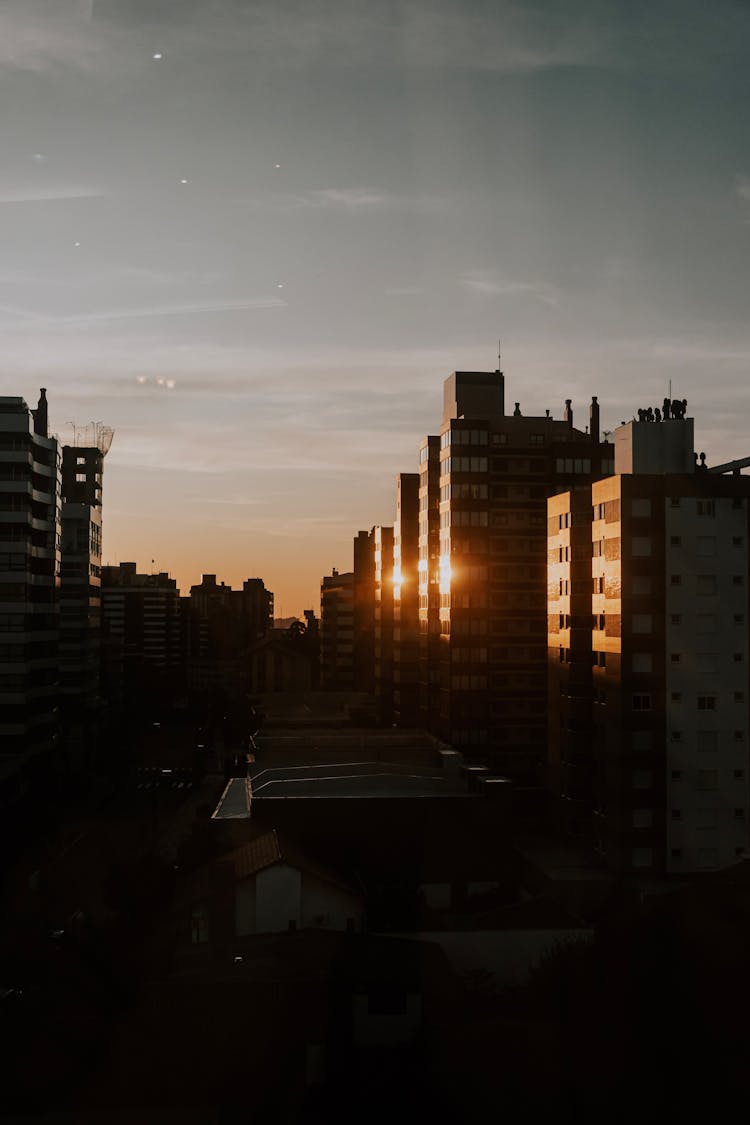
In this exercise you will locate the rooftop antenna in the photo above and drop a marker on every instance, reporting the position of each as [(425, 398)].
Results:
[(499, 360)]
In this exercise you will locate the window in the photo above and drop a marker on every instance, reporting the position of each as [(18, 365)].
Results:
[(705, 508), (676, 853), (739, 697), (80, 478), (675, 619), (708, 857), (675, 580), (705, 623), (676, 736), (739, 735), (739, 814), (737, 657), (676, 814), (642, 702), (641, 585), (677, 697), (739, 619), (674, 501), (738, 580), (675, 657), (708, 779), (706, 702), (675, 541), (737, 541), (676, 775)]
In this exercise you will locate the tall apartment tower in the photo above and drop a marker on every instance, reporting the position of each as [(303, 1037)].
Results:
[(383, 622), (429, 579), (337, 631), (80, 587), (364, 611), (143, 613), (495, 473), (29, 589), (406, 602), (648, 656)]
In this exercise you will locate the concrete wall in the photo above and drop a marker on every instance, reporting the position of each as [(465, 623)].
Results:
[(278, 894), (327, 907)]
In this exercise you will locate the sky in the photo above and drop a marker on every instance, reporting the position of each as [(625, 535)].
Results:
[(255, 238)]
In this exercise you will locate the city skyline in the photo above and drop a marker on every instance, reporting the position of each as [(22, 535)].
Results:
[(255, 240)]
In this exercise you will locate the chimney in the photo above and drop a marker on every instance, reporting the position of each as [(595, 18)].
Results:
[(568, 412), (594, 419), (40, 414)]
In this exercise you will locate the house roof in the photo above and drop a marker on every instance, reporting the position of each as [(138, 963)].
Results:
[(253, 857)]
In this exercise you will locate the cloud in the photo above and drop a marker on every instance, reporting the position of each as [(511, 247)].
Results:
[(352, 199), (500, 287), (36, 35), (148, 311), (48, 195)]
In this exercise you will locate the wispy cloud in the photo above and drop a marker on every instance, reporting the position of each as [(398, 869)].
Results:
[(148, 311), (350, 199), (48, 194), (502, 287)]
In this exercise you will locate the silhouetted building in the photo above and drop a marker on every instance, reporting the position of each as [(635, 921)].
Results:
[(144, 613), (429, 579), (80, 589), (337, 631), (406, 601), (225, 625), (364, 611), (649, 669), (495, 474), (383, 622), (29, 592)]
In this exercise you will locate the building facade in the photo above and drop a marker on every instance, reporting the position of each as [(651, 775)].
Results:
[(649, 671), (495, 473), (80, 589), (337, 631), (30, 499)]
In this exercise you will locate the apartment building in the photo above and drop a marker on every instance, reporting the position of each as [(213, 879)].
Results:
[(224, 624), (648, 670), (29, 592), (143, 613), (80, 586), (337, 631), (383, 622), (495, 472), (406, 602)]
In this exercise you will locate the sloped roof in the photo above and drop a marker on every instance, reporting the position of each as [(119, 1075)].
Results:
[(264, 851)]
